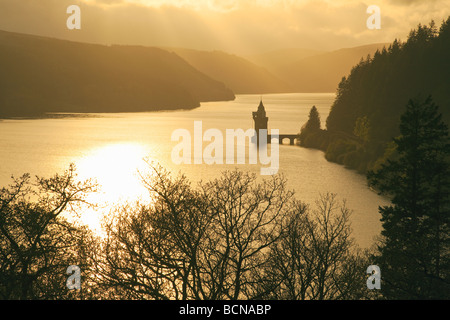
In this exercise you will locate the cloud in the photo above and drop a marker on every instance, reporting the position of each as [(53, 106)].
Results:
[(236, 26), (410, 2)]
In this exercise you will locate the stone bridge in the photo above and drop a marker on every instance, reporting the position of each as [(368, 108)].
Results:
[(281, 137)]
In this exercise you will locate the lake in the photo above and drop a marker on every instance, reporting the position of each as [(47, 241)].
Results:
[(110, 148)]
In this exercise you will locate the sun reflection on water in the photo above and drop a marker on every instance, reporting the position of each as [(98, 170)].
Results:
[(115, 168)]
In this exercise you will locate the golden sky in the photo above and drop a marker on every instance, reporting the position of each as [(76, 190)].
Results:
[(235, 26)]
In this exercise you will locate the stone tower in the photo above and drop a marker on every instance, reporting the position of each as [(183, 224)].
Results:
[(260, 119)]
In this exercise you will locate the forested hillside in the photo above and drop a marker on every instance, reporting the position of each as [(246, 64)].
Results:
[(365, 116), (41, 75)]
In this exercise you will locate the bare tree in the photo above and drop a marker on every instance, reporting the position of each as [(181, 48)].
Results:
[(248, 218), (234, 237), (316, 258), (194, 243), (150, 249), (37, 243)]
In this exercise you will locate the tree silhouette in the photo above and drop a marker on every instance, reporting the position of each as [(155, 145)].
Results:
[(226, 239), (37, 243), (234, 237), (315, 258), (311, 134), (192, 243), (313, 123), (377, 89), (414, 253)]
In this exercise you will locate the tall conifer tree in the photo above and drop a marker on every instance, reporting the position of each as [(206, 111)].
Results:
[(313, 123), (414, 253)]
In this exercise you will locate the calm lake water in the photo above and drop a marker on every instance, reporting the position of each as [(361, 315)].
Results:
[(110, 148)]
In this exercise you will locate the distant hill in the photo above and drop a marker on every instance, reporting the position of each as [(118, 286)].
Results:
[(41, 74), (278, 59), (312, 72), (237, 73)]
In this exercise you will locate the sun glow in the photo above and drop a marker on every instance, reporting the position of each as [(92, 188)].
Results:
[(116, 169)]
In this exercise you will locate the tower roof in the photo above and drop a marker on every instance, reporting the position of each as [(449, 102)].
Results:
[(261, 106)]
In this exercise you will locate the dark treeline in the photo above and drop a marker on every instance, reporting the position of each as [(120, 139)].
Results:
[(366, 114), (234, 237), (413, 251), (386, 122)]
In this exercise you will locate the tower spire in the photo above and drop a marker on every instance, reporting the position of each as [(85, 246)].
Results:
[(260, 119)]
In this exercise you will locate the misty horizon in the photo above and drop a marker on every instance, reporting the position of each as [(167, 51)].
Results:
[(237, 27)]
